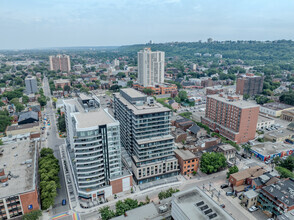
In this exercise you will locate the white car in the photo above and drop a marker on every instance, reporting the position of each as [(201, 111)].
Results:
[(253, 208)]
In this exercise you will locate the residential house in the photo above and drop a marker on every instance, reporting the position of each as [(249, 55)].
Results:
[(188, 162)]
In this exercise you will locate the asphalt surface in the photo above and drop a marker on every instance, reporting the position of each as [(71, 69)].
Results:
[(53, 141)]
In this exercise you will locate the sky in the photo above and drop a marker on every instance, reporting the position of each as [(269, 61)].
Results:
[(31, 24)]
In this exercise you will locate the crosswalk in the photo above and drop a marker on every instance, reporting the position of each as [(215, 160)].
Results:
[(67, 215)]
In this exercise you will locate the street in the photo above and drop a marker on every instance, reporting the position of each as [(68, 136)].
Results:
[(53, 142)]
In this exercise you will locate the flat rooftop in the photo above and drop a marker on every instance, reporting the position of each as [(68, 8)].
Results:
[(133, 93), (144, 108), (279, 133), (194, 203), (91, 119), (269, 148), (262, 118), (22, 175), (185, 154), (226, 147), (277, 106), (24, 126), (84, 96), (147, 212), (238, 103)]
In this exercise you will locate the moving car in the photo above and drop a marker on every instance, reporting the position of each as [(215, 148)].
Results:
[(64, 202)]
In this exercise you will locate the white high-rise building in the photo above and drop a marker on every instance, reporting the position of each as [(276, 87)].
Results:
[(150, 67), (31, 84), (94, 149)]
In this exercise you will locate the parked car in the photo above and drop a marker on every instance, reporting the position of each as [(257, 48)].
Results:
[(64, 202), (223, 186), (229, 193), (223, 206), (253, 208)]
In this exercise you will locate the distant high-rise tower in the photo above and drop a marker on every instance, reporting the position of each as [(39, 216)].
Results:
[(60, 62), (31, 84), (150, 67)]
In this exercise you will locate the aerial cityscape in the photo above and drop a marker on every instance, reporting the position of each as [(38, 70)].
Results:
[(182, 120)]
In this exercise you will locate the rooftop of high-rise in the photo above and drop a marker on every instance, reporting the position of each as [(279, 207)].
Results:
[(233, 100), (139, 103)]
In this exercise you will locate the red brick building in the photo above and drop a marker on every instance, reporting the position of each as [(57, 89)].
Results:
[(233, 118), (249, 84), (188, 162)]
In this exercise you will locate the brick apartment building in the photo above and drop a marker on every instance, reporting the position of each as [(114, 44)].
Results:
[(213, 90), (60, 62), (249, 84), (188, 162), (231, 117)]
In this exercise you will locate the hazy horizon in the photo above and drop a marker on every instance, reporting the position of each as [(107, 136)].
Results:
[(36, 24)]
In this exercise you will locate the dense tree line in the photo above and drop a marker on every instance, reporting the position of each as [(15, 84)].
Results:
[(49, 180)]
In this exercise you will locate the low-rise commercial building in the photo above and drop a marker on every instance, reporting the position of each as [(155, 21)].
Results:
[(288, 115), (23, 129), (195, 204), (18, 176), (278, 136), (275, 109), (188, 162), (179, 135), (159, 89), (264, 122), (268, 150)]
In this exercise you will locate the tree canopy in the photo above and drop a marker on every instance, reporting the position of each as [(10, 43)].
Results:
[(212, 162)]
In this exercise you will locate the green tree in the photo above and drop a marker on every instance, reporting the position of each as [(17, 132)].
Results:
[(130, 83), (233, 169), (1, 142), (66, 88), (246, 96), (25, 99), (212, 162), (287, 98), (288, 163), (121, 75), (42, 100), (284, 173), (148, 91), (5, 120), (106, 213), (61, 123), (33, 215), (183, 95), (45, 152)]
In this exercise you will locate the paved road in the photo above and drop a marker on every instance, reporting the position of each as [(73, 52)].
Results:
[(54, 142)]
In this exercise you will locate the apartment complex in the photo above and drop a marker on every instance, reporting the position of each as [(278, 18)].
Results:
[(18, 177), (145, 135), (249, 84), (60, 62), (231, 117), (93, 139), (31, 85), (159, 89), (150, 67)]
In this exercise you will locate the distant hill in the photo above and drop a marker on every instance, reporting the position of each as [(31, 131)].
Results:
[(258, 51)]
